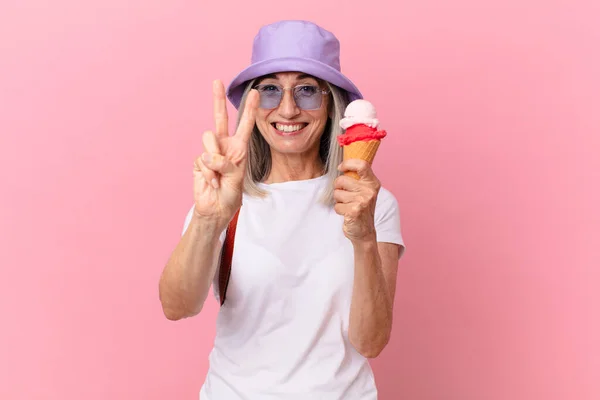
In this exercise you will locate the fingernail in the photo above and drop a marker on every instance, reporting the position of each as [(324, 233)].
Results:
[(215, 183), (207, 158)]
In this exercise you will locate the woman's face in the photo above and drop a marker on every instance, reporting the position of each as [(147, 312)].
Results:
[(287, 128)]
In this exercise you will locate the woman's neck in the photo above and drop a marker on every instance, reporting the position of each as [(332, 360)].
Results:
[(294, 167)]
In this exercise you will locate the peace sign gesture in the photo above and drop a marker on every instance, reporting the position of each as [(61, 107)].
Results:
[(219, 171)]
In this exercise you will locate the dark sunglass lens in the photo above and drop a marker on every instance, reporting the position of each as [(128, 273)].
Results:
[(270, 95), (306, 91)]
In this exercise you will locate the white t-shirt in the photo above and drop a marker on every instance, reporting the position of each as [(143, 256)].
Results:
[(283, 330)]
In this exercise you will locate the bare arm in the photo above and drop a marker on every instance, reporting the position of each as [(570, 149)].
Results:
[(375, 263), (371, 310), (218, 180), (186, 279)]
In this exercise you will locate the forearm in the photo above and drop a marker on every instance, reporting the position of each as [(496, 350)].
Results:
[(371, 307), (186, 279)]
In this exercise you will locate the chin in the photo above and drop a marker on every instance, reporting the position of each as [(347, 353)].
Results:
[(285, 147)]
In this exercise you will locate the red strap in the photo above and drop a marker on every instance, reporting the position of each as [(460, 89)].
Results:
[(226, 257)]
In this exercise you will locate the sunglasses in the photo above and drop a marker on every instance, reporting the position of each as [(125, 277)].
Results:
[(307, 97)]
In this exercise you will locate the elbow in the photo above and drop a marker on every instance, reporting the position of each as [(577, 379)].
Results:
[(172, 315), (371, 351), (371, 348), (170, 312), (175, 311), (173, 306), (176, 314)]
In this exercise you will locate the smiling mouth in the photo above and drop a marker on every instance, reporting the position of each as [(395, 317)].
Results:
[(289, 128)]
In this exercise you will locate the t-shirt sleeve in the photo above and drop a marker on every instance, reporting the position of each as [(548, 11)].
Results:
[(186, 224), (188, 219), (387, 219)]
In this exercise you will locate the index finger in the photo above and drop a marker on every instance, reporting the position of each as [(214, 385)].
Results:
[(246, 126), (361, 171), (220, 109), (347, 183), (361, 167)]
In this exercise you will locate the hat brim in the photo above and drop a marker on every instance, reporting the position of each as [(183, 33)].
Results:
[(312, 67)]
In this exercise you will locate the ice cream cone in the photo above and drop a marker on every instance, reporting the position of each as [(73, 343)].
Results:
[(362, 137), (363, 150)]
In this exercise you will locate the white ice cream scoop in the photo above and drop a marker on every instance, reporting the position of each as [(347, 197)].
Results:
[(360, 112)]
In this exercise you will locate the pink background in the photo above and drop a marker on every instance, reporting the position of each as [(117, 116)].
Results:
[(493, 153)]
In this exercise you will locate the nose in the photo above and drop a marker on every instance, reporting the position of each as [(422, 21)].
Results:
[(288, 108)]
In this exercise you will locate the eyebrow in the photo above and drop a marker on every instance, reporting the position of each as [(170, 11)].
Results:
[(300, 77), (305, 76)]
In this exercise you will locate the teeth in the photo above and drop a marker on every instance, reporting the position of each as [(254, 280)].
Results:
[(289, 128)]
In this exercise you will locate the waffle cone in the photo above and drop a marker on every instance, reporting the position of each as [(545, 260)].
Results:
[(363, 150)]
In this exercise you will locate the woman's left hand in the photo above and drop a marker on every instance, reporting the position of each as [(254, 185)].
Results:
[(356, 199)]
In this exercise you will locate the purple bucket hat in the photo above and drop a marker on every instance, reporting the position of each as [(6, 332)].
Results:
[(299, 46)]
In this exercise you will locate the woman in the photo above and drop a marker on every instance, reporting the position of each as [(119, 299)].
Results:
[(313, 276)]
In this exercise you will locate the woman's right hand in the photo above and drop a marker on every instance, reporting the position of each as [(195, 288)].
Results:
[(219, 171)]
